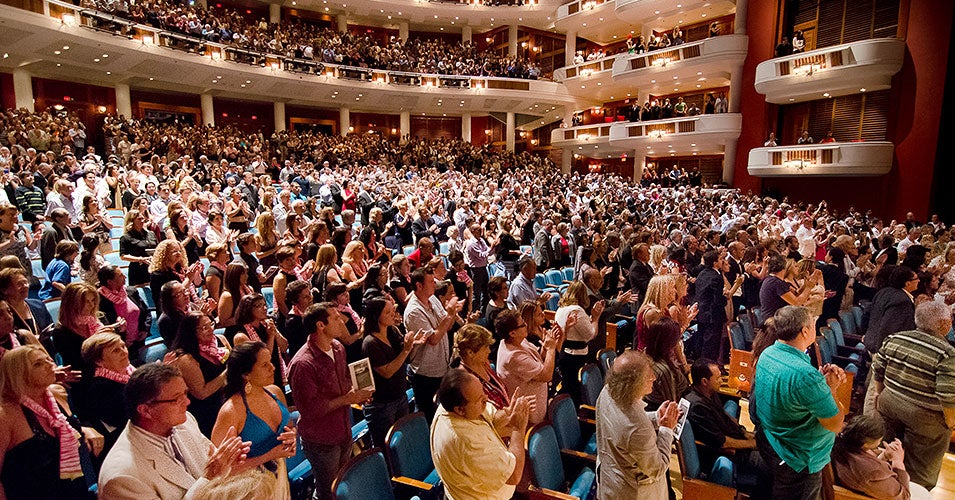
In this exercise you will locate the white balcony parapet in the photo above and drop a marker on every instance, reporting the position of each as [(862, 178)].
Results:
[(597, 67), (720, 52), (863, 66), (701, 129), (598, 133), (834, 159), (577, 6)]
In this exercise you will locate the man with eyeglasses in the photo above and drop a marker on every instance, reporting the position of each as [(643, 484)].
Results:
[(161, 453), (58, 231)]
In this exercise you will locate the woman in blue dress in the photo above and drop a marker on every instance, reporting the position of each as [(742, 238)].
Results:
[(256, 410)]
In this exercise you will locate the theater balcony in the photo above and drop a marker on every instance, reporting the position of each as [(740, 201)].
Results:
[(682, 64), (668, 11), (863, 66), (591, 79), (592, 19), (836, 159), (584, 135), (701, 135)]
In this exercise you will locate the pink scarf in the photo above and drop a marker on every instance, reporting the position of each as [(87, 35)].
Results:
[(121, 377), (211, 350), (69, 442), (14, 343), (114, 296), (218, 265)]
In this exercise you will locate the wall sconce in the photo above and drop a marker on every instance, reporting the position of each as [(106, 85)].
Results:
[(148, 39), (533, 142), (101, 109), (351, 129), (807, 69), (69, 19), (394, 131), (58, 107), (656, 134), (661, 61), (215, 55), (798, 164), (487, 131)]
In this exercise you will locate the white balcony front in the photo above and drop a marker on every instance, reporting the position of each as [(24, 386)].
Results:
[(660, 70), (664, 14), (584, 135), (864, 66), (702, 134), (835, 159)]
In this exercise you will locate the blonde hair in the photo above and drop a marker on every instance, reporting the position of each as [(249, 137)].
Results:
[(351, 251), (159, 256), (92, 349), (471, 338), (265, 228), (657, 253), (15, 372), (659, 288), (253, 484), (72, 303), (213, 250), (575, 295), (326, 256)]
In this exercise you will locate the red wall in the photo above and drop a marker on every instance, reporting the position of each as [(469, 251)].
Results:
[(84, 99), (250, 116), (478, 125), (428, 127), (379, 123), (7, 98), (913, 118)]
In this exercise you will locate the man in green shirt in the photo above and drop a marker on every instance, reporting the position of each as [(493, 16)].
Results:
[(796, 407)]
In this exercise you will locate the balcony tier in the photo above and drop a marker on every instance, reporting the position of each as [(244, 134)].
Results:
[(836, 159)]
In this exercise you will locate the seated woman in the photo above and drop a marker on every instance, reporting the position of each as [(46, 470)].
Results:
[(10, 336), (256, 409), (252, 324), (28, 314), (298, 296), (79, 320), (118, 301), (387, 350), (526, 369), (169, 264), (235, 286), (861, 464), (104, 392), (59, 272), (201, 359), (218, 255), (671, 382), (39, 447)]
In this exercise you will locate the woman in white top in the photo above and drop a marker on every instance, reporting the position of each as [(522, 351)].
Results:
[(575, 352)]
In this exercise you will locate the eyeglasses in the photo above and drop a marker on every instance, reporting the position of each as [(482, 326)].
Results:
[(522, 325), (176, 399)]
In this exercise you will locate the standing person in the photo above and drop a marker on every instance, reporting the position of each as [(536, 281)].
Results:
[(58, 231), (796, 407), (543, 250), (470, 457), (640, 272), (579, 332), (914, 382), (431, 360), (135, 246), (323, 394), (893, 308), (476, 253), (711, 319), (633, 445), (525, 369)]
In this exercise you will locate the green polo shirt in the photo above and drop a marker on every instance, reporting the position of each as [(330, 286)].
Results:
[(791, 396)]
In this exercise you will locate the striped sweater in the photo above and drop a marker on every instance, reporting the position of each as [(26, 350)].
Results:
[(919, 367)]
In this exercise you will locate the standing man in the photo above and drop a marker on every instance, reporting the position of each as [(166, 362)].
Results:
[(323, 394), (469, 455), (640, 273), (476, 253), (796, 407), (30, 199), (711, 320), (543, 251), (633, 445), (58, 231), (914, 375), (429, 362)]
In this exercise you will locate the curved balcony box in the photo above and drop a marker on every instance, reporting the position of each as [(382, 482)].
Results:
[(640, 11), (596, 135), (832, 71), (713, 55), (582, 11), (838, 159), (598, 71), (703, 134)]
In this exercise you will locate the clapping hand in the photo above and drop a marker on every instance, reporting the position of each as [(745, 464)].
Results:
[(599, 308), (519, 411), (231, 452), (453, 305), (834, 375), (287, 443), (668, 414), (413, 339), (553, 337)]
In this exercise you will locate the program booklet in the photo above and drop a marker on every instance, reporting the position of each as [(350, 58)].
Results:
[(361, 376), (684, 412)]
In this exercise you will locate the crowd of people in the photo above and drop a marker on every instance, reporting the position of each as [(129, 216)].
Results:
[(422, 256), (301, 39), (671, 177)]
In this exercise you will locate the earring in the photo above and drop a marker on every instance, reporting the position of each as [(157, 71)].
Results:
[(248, 387)]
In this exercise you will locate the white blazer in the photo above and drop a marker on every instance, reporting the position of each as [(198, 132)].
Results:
[(137, 468)]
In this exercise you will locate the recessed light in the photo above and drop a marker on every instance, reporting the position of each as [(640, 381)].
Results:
[(862, 90), (676, 78), (57, 52), (105, 55), (656, 12), (96, 60), (66, 47), (109, 73), (825, 94), (151, 78), (653, 81), (791, 99), (248, 81), (58, 65)]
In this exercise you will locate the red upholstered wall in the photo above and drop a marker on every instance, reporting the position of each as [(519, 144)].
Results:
[(913, 118), (7, 98), (250, 116)]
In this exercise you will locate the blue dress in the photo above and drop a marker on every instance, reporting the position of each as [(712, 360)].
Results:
[(263, 439)]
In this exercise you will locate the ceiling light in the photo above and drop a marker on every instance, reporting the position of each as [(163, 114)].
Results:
[(825, 94), (96, 60), (862, 90), (66, 47), (109, 73), (57, 52), (105, 55), (151, 78)]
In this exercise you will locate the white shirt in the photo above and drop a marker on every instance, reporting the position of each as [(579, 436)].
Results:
[(807, 241)]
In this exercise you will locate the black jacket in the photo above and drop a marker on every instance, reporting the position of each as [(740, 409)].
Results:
[(710, 298), (892, 311)]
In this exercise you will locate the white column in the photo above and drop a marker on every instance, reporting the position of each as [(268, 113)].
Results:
[(342, 21), (466, 127), (344, 120), (466, 34), (23, 89), (275, 13), (570, 48), (512, 40), (739, 23), (568, 117), (208, 111), (510, 131), (736, 90), (639, 160), (729, 162), (124, 105), (566, 160), (403, 31), (405, 123), (278, 111)]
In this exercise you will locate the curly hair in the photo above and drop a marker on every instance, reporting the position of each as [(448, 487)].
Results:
[(162, 250)]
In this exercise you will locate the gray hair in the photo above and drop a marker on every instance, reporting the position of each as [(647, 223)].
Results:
[(628, 376), (929, 316), (789, 321)]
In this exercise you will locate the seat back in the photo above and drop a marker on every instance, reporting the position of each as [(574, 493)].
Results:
[(540, 282), (147, 296), (563, 417), (741, 370), (364, 477), (758, 315), (407, 250), (606, 357), (591, 383), (444, 248), (544, 454), (848, 322), (53, 306), (823, 349), (554, 277), (568, 273), (155, 352), (554, 301), (409, 447), (737, 337), (836, 328), (688, 454), (857, 316)]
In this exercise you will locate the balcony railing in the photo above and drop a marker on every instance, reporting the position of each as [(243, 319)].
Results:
[(569, 9), (588, 68), (863, 66), (581, 135), (149, 35), (725, 49), (701, 132), (840, 159)]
